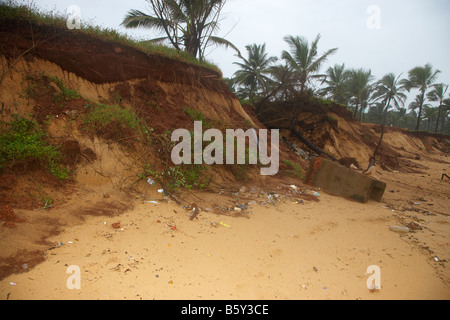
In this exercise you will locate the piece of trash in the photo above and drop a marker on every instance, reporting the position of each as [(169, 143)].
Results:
[(213, 224), (237, 209), (70, 242), (154, 202), (316, 194), (436, 259), (150, 182), (116, 225), (224, 224), (161, 190), (170, 282), (399, 229), (195, 211), (241, 206), (25, 266), (293, 187), (12, 283)]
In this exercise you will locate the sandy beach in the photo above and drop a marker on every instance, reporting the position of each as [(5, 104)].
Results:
[(290, 250)]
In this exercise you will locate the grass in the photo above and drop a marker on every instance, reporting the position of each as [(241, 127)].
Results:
[(66, 94), (101, 116), (37, 86), (295, 171), (13, 10), (23, 140), (196, 115)]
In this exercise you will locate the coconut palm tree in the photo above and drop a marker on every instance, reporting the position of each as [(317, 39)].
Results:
[(186, 24), (359, 87), (388, 90), (304, 59), (438, 94), (418, 104), (254, 71), (429, 114), (336, 81), (445, 109), (420, 78)]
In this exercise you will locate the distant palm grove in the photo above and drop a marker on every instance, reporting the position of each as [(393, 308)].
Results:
[(380, 101), (189, 25)]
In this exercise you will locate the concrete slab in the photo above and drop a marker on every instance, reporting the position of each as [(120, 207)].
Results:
[(344, 182)]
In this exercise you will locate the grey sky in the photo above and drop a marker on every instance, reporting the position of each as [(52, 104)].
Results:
[(412, 32)]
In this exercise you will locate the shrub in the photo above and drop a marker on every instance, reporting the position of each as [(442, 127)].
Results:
[(24, 140), (101, 116)]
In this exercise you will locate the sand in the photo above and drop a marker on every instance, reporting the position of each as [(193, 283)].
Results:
[(287, 251)]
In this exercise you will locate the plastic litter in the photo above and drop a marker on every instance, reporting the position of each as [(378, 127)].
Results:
[(150, 182), (316, 194), (154, 202), (399, 229), (224, 224)]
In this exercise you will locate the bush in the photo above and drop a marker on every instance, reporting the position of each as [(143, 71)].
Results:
[(101, 116), (23, 140)]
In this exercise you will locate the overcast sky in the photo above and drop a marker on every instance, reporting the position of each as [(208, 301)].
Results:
[(381, 35)]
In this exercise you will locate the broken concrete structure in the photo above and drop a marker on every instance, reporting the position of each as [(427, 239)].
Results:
[(338, 180)]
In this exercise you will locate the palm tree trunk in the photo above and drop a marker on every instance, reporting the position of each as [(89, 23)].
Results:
[(382, 128), (438, 118), (420, 111), (355, 112)]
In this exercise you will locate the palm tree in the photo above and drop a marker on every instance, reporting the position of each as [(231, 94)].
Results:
[(336, 78), (359, 86), (429, 114), (421, 78), (303, 59), (388, 90), (188, 24), (418, 104), (446, 109), (253, 73), (438, 94)]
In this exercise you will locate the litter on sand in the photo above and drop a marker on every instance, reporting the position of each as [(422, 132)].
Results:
[(224, 224)]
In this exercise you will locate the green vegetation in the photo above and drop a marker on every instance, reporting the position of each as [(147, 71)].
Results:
[(38, 86), (23, 140), (186, 176), (187, 25), (196, 115), (262, 78), (66, 94), (100, 116), (14, 10), (295, 171)]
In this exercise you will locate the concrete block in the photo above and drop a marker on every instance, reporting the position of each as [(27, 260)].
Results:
[(338, 180)]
